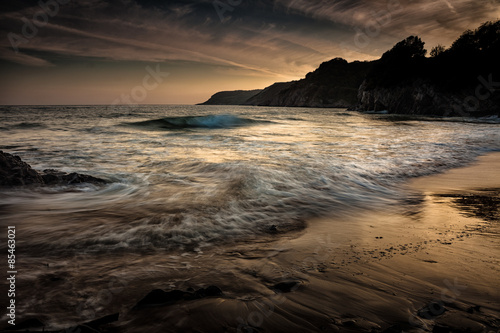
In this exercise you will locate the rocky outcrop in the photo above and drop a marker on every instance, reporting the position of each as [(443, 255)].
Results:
[(237, 97), (15, 172), (424, 98), (269, 95), (159, 297), (463, 80), (333, 85), (55, 177)]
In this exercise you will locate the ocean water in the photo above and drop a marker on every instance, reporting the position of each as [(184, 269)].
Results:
[(185, 178)]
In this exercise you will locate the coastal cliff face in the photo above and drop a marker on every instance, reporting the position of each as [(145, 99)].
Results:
[(424, 98), (307, 95), (334, 84), (237, 97), (271, 96), (463, 80)]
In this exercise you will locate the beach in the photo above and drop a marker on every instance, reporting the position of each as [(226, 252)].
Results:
[(428, 265), (250, 166), (432, 265), (254, 220)]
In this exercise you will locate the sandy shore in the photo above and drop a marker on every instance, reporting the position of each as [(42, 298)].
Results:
[(430, 264)]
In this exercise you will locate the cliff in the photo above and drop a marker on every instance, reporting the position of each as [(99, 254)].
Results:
[(463, 80), (422, 97), (237, 97), (269, 95), (334, 84), (460, 81)]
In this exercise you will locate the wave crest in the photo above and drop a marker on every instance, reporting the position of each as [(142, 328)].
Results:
[(210, 121)]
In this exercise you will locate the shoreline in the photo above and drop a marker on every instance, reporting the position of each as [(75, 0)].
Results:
[(431, 264), (483, 173), (425, 267)]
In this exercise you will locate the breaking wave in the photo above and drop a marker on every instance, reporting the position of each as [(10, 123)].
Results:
[(186, 190), (210, 121)]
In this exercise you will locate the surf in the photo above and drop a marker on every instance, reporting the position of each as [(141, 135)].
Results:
[(209, 122)]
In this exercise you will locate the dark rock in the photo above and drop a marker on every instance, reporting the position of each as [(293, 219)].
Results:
[(77, 178), (440, 329), (249, 329), (160, 297), (210, 291), (423, 96), (461, 81), (237, 97), (93, 326), (270, 95), (15, 172), (54, 177), (213, 291), (32, 323), (394, 329), (55, 278), (334, 84), (473, 309), (404, 81), (434, 309), (286, 287), (103, 320), (349, 322), (79, 329)]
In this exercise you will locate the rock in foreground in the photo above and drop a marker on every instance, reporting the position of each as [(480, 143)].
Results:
[(159, 297), (15, 172)]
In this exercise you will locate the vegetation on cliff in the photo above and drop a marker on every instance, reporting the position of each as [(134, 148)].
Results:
[(458, 81)]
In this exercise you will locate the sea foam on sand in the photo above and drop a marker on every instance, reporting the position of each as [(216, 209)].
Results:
[(431, 264)]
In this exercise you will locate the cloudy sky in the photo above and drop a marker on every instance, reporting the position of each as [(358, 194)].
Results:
[(182, 51)]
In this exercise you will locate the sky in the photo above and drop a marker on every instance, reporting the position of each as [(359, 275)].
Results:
[(181, 52)]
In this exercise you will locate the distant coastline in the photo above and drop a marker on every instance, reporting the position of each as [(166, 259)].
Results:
[(463, 80)]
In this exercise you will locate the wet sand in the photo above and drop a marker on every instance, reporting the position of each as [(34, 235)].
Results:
[(431, 263), (375, 271)]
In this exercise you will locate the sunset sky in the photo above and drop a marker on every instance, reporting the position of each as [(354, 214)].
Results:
[(101, 51)]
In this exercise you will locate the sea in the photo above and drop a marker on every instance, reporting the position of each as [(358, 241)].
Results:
[(187, 177), (183, 179)]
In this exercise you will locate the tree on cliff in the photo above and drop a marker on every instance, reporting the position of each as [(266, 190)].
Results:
[(474, 54), (465, 76), (411, 47), (401, 63), (437, 50), (486, 38)]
